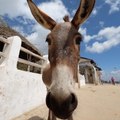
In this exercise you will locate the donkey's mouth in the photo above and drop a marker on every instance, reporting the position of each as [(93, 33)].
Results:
[(62, 115)]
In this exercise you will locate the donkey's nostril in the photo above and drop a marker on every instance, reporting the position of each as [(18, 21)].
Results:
[(73, 98), (73, 102), (48, 101)]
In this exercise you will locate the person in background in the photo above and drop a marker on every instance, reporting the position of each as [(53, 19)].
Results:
[(113, 80)]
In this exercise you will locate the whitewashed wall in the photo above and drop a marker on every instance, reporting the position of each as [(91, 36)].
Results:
[(82, 80), (20, 91)]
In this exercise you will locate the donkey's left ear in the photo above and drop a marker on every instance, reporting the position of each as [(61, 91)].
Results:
[(83, 12)]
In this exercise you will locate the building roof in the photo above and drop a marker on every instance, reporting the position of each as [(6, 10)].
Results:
[(83, 60), (6, 31)]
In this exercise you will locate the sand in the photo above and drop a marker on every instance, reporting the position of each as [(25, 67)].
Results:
[(100, 102)]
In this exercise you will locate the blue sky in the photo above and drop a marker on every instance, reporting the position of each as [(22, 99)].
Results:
[(101, 31)]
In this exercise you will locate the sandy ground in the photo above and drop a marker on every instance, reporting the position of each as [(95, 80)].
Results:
[(100, 102)]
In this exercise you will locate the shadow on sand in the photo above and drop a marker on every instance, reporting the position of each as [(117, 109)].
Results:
[(36, 118)]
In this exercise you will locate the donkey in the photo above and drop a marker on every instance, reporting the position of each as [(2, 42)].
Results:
[(63, 53)]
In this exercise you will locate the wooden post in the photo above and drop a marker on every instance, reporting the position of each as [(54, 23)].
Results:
[(86, 76)]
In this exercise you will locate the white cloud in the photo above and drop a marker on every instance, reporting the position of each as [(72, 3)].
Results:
[(19, 29), (14, 8), (107, 38), (101, 23), (73, 12), (87, 38), (114, 5), (94, 12), (107, 75), (54, 9), (38, 38), (83, 31), (116, 72)]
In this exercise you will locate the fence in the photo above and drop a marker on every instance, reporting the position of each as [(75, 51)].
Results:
[(20, 91), (3, 48)]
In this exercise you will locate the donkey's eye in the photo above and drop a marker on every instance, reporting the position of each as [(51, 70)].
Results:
[(78, 40), (48, 40)]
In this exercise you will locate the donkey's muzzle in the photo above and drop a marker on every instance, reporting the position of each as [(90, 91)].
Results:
[(62, 109)]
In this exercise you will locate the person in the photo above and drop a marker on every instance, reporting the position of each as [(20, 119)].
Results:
[(113, 80)]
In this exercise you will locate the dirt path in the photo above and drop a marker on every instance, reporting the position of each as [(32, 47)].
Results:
[(95, 103)]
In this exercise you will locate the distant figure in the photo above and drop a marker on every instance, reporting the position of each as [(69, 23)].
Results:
[(113, 80)]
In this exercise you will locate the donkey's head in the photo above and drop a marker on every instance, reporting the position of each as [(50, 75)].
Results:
[(64, 49)]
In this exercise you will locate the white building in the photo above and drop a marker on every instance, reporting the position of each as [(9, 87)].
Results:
[(21, 89), (90, 70)]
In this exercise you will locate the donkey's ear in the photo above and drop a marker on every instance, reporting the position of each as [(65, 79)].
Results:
[(41, 17), (83, 12)]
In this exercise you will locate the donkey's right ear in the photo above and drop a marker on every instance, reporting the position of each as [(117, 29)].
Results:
[(83, 12), (41, 17)]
